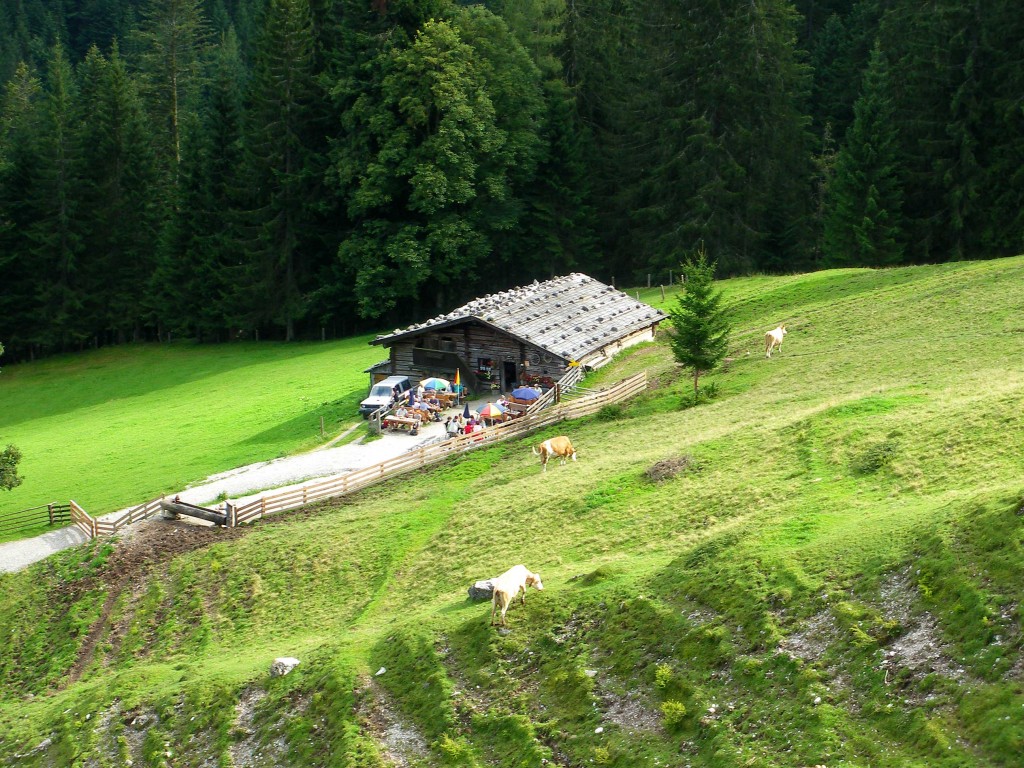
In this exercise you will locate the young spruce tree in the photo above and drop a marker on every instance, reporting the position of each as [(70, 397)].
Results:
[(700, 327)]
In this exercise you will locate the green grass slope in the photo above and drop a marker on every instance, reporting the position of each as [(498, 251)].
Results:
[(822, 566), (122, 425)]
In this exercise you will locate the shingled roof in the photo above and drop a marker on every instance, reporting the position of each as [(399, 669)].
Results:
[(569, 316)]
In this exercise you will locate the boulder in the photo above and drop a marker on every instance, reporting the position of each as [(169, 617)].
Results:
[(482, 590), (283, 665)]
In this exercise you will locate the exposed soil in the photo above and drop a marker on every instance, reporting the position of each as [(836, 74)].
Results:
[(669, 468), (106, 734), (245, 753), (632, 711), (135, 725), (813, 639), (920, 650), (400, 740), (152, 543)]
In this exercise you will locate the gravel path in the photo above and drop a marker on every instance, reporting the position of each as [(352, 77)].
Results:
[(245, 484)]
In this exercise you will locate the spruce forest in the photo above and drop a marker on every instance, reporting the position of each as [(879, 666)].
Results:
[(285, 169)]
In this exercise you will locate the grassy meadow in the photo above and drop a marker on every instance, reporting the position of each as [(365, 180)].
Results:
[(122, 425), (820, 566)]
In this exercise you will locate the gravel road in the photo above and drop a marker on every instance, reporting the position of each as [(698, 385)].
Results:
[(245, 484)]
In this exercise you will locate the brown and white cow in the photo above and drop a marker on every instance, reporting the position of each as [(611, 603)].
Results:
[(773, 340), (560, 446)]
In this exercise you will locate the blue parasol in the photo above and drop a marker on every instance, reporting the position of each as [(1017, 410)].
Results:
[(525, 393), (465, 412)]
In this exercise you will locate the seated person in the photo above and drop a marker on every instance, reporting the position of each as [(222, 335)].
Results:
[(401, 412)]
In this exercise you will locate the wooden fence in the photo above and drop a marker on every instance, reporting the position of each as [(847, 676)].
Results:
[(93, 527), (554, 395), (428, 455), (340, 485), (55, 513)]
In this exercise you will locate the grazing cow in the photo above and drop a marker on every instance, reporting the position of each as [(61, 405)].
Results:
[(773, 340), (513, 581), (560, 446)]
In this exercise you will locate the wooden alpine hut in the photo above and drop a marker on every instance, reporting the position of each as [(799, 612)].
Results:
[(527, 335)]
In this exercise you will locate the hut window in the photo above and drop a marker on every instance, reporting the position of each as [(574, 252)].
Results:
[(447, 344)]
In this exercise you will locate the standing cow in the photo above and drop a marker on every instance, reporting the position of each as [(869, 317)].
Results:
[(560, 446), (773, 340), (510, 584)]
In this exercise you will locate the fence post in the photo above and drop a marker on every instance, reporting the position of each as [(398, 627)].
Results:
[(663, 293), (558, 393), (49, 511), (263, 506)]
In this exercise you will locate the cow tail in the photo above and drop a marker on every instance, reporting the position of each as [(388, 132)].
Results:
[(535, 451)]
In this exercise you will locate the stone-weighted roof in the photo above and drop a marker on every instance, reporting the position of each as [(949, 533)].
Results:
[(569, 316)]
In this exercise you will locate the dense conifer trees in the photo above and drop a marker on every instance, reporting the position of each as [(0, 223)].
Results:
[(286, 168), (866, 195)]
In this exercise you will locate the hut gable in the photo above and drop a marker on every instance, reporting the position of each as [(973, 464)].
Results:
[(571, 317)]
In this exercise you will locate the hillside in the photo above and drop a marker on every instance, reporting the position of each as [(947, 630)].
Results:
[(821, 566), (117, 426)]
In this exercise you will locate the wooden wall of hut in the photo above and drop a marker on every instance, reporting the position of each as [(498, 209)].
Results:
[(476, 344)]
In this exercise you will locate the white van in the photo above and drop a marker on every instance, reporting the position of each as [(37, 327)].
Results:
[(382, 392)]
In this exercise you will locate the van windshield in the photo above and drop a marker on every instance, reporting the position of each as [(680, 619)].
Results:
[(381, 390)]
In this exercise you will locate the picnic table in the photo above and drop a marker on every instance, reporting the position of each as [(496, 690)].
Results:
[(412, 426)]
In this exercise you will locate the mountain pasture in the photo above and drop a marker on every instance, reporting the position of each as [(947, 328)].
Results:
[(115, 427), (828, 573)]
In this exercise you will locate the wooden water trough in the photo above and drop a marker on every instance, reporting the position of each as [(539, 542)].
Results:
[(177, 507)]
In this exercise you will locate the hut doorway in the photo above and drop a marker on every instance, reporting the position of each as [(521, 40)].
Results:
[(509, 371)]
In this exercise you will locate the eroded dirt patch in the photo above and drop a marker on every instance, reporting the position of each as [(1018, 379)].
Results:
[(400, 741), (666, 469), (135, 726), (150, 544), (246, 752), (813, 639), (919, 650), (631, 711)]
